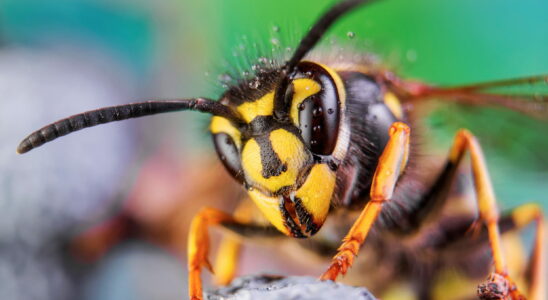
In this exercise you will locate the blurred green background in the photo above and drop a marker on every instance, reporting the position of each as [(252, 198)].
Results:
[(179, 48)]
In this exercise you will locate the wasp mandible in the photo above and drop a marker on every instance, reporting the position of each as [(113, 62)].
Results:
[(320, 136)]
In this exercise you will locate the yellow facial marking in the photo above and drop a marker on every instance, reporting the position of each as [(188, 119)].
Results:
[(262, 107), (393, 104), (290, 151), (222, 125), (317, 191), (269, 206), (303, 88)]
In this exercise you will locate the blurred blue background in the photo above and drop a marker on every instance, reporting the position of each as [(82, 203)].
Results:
[(62, 57)]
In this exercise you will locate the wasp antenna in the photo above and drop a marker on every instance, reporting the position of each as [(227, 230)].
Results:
[(318, 30), (307, 43), (119, 113)]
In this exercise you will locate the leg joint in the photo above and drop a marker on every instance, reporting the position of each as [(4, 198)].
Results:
[(527, 213), (212, 215)]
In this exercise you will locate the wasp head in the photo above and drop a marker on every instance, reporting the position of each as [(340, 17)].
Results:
[(287, 157)]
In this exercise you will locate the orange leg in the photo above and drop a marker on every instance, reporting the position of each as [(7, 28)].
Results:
[(198, 247), (523, 216), (228, 254), (227, 259), (391, 163), (198, 243), (488, 212)]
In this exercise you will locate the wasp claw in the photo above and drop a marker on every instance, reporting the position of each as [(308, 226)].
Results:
[(339, 265), (495, 288)]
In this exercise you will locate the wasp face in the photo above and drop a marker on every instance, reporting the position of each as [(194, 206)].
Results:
[(288, 164)]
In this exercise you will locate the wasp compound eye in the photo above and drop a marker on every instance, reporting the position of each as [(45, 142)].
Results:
[(319, 114), (229, 155)]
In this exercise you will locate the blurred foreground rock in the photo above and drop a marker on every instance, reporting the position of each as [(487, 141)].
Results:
[(267, 287)]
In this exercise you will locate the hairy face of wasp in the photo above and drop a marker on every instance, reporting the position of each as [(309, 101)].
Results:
[(289, 164)]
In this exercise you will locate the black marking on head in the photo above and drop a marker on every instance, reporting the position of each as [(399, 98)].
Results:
[(288, 98), (260, 129), (305, 218), (261, 125), (272, 165)]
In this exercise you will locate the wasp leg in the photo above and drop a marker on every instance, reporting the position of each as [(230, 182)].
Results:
[(391, 163), (227, 260), (228, 254), (198, 242), (488, 212), (454, 237), (522, 217)]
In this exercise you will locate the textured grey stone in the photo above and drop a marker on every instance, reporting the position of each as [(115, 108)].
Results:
[(291, 288)]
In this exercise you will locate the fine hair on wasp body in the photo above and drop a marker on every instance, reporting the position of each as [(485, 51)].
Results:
[(331, 141)]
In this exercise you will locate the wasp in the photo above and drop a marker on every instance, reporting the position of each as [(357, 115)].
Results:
[(329, 141)]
